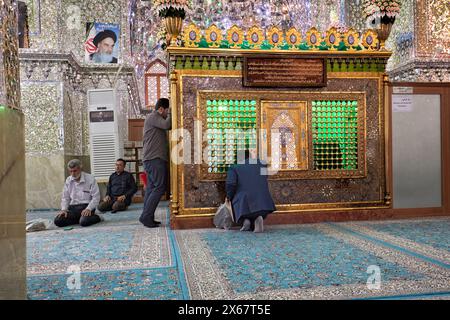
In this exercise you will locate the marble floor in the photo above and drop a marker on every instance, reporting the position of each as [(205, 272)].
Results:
[(120, 259)]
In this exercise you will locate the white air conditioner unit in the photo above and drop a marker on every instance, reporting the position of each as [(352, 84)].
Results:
[(106, 145)]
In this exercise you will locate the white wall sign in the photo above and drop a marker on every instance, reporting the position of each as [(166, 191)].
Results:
[(402, 90), (402, 103)]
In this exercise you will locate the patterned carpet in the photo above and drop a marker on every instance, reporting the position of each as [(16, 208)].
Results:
[(319, 261), (120, 259)]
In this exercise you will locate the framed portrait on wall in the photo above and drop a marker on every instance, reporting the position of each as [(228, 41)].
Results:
[(102, 42)]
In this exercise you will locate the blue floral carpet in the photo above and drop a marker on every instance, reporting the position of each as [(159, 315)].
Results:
[(434, 233), (291, 258), (319, 261), (117, 258), (120, 259), (152, 284)]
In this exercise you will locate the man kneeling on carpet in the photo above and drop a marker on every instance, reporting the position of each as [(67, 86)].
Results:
[(248, 190), (120, 190), (80, 197)]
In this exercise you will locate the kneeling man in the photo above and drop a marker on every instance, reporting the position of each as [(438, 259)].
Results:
[(80, 197), (120, 190)]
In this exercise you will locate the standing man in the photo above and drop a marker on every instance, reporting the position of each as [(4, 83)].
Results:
[(155, 158), (79, 199), (120, 190)]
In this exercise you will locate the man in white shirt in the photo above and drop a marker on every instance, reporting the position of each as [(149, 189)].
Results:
[(80, 197)]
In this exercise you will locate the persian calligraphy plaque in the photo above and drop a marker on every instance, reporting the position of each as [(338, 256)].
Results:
[(284, 72)]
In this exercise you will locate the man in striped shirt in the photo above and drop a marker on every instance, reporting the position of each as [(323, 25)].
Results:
[(80, 197)]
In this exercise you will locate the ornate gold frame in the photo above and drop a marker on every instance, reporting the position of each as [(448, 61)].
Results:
[(374, 44), (238, 52), (313, 32), (347, 35), (333, 32), (177, 171), (308, 97), (265, 142), (213, 29), (259, 33), (293, 32), (275, 31), (239, 32), (187, 40)]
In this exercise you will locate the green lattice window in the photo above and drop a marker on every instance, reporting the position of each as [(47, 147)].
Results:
[(335, 134), (231, 127)]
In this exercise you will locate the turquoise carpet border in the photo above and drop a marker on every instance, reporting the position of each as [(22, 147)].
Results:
[(175, 250), (390, 245)]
